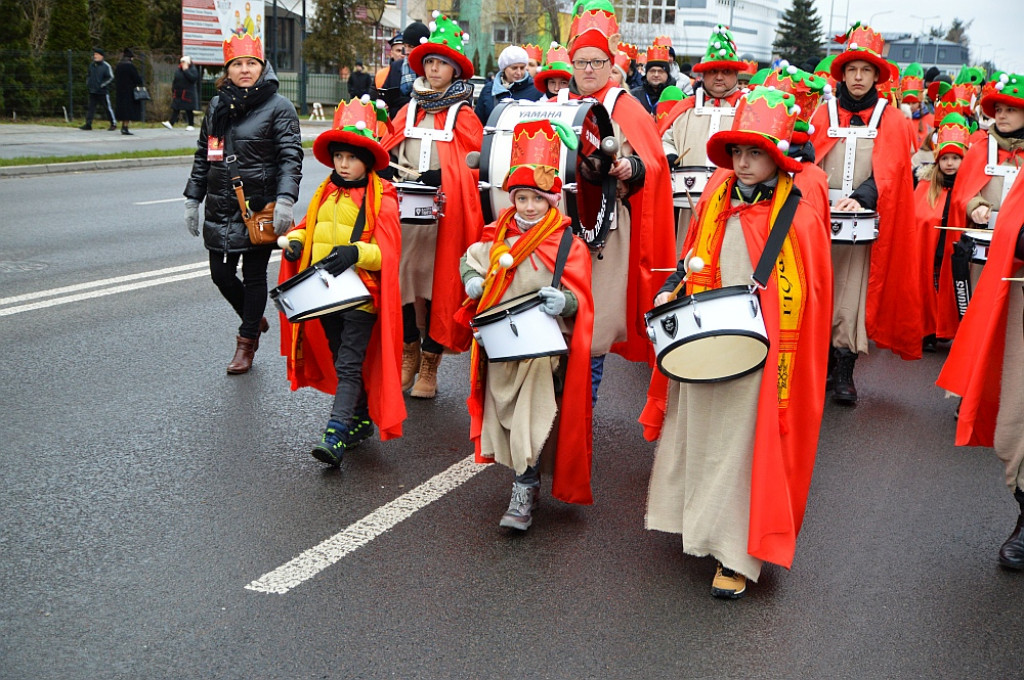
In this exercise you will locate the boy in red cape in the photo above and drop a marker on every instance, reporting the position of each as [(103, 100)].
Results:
[(735, 456), (879, 285), (986, 362), (643, 240), (433, 148), (513, 404), (354, 353)]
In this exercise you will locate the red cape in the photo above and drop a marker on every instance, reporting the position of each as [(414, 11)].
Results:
[(940, 313), (570, 480), (974, 367), (459, 227), (310, 363), (921, 128), (970, 180), (895, 284), (785, 440), (684, 105), (652, 237)]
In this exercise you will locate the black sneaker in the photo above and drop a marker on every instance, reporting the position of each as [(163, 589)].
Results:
[(331, 447), (360, 428), (85, 127)]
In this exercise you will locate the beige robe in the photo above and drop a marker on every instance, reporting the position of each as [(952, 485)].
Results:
[(700, 482), (1009, 433), (419, 241)]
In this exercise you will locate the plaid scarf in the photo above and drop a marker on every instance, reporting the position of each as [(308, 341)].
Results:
[(432, 101)]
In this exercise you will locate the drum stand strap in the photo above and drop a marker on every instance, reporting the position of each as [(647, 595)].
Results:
[(776, 238)]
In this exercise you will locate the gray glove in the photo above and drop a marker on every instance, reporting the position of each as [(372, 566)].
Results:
[(283, 214), (475, 287), (192, 216), (553, 300)]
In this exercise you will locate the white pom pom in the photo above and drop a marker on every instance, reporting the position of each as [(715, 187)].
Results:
[(1000, 85), (695, 265), (810, 129), (465, 37), (791, 70), (282, 241), (423, 41), (365, 98), (505, 261), (440, 30), (360, 125), (553, 45), (827, 89), (436, 13), (853, 46), (935, 138), (721, 53), (717, 44), (783, 145), (1013, 81), (769, 87), (796, 109), (432, 26), (381, 104), (1003, 78)]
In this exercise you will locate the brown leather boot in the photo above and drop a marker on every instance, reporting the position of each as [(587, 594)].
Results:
[(410, 363), (264, 327), (242, 361), (426, 384)]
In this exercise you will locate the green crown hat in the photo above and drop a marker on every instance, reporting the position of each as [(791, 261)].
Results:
[(952, 135), (556, 65), (972, 75), (446, 40), (808, 89), (721, 52), (912, 83)]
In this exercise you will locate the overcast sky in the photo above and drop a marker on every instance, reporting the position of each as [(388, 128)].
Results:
[(997, 32)]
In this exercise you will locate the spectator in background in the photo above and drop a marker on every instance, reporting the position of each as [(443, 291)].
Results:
[(512, 82), (99, 79), (397, 54), (184, 94), (397, 90), (359, 83), (126, 79)]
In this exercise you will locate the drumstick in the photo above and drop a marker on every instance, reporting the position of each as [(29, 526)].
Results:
[(403, 169), (664, 269), (690, 264), (1018, 279), (939, 226)]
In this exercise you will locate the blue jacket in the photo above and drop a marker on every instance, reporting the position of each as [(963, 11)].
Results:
[(524, 89)]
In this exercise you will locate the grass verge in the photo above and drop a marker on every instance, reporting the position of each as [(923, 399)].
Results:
[(152, 153)]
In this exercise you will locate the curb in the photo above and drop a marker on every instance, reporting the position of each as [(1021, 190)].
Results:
[(84, 166)]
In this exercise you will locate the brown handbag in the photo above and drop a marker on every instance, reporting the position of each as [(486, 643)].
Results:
[(260, 225)]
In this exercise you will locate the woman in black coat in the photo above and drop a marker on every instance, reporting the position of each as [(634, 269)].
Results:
[(184, 93), (249, 119), (126, 79)]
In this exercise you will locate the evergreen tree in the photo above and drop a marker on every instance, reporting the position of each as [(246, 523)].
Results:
[(336, 36), (69, 22), (799, 34), (17, 69), (125, 24)]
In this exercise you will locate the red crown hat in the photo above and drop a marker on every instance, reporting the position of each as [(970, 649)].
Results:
[(237, 47), (536, 150), (865, 44), (534, 52), (641, 58), (662, 41), (1007, 89), (807, 90), (953, 136), (447, 40), (595, 28), (891, 89), (949, 102), (361, 123), (765, 119), (658, 53), (556, 66), (912, 83), (629, 50), (622, 61)]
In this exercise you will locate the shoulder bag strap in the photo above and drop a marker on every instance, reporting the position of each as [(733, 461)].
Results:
[(236, 175)]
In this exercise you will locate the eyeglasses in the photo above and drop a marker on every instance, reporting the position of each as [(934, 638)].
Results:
[(595, 64)]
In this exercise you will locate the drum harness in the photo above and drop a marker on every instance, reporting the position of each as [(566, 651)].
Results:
[(715, 113), (430, 135), (870, 131), (994, 169)]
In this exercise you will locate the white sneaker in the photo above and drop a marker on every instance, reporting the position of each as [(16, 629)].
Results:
[(189, 128), (167, 125)]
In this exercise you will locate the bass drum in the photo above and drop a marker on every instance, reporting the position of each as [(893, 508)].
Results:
[(584, 203)]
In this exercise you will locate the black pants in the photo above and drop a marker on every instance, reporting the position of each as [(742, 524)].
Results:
[(103, 102), (411, 332), (348, 333), (190, 116), (248, 296)]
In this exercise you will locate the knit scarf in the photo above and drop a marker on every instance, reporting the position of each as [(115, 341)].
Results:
[(433, 101), (846, 100), (234, 102), (790, 275)]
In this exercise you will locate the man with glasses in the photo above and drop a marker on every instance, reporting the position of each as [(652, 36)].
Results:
[(641, 238)]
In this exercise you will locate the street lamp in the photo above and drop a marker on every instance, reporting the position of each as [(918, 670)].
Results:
[(924, 19), (917, 41), (871, 21)]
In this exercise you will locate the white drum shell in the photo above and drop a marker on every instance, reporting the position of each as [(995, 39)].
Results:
[(518, 329), (712, 336), (692, 180), (313, 292), (982, 241), (419, 203), (854, 227)]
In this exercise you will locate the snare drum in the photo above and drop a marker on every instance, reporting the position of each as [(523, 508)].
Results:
[(518, 329), (419, 203), (711, 336), (979, 242), (314, 292), (857, 226), (692, 179), (591, 123)]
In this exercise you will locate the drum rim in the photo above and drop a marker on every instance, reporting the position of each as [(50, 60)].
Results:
[(701, 296), (523, 357), (320, 311), (522, 303), (707, 334), (854, 213), (694, 168), (417, 188)]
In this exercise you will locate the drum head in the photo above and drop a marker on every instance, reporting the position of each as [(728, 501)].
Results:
[(714, 357)]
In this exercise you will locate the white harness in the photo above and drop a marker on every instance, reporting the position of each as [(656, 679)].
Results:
[(870, 131), (994, 169), (430, 135), (714, 112)]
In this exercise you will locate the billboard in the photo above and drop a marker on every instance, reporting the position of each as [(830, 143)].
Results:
[(206, 24)]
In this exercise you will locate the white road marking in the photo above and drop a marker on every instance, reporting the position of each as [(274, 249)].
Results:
[(162, 200), (99, 283), (316, 559)]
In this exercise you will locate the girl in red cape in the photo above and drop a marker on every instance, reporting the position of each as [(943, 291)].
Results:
[(734, 459), (433, 147), (986, 362), (354, 353), (515, 406)]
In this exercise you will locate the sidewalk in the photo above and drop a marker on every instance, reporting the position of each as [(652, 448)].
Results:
[(38, 141)]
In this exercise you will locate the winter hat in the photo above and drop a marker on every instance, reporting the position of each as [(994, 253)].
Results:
[(536, 150), (556, 66), (765, 119), (863, 43), (595, 27), (912, 83), (446, 41), (1007, 89), (807, 89), (721, 52), (931, 74), (99, 51), (513, 54), (414, 32), (359, 123), (127, 53), (237, 47), (362, 153), (952, 136)]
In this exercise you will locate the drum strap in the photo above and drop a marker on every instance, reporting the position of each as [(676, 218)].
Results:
[(776, 238), (994, 169), (941, 246), (564, 245)]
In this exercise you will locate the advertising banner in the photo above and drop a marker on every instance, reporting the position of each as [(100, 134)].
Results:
[(206, 24)]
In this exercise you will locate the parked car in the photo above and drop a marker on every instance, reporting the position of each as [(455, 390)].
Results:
[(478, 83)]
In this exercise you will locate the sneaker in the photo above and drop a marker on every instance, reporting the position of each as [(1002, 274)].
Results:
[(126, 131), (520, 509), (85, 127), (189, 128), (360, 428), (331, 447), (167, 124), (728, 585)]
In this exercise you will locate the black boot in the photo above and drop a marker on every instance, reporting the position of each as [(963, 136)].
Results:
[(829, 377), (1011, 554), (844, 391)]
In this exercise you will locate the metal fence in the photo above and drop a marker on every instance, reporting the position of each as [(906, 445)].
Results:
[(53, 84)]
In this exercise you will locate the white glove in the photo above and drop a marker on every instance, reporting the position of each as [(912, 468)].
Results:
[(192, 216), (283, 214), (554, 300), (475, 287)]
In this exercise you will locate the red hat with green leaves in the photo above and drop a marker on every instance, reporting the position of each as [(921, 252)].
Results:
[(556, 65), (1008, 89), (536, 149), (953, 136), (446, 40), (765, 119), (912, 83), (863, 43), (360, 122), (721, 52), (807, 89), (668, 99)]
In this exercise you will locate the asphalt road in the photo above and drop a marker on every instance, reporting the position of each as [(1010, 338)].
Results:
[(143, 490)]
